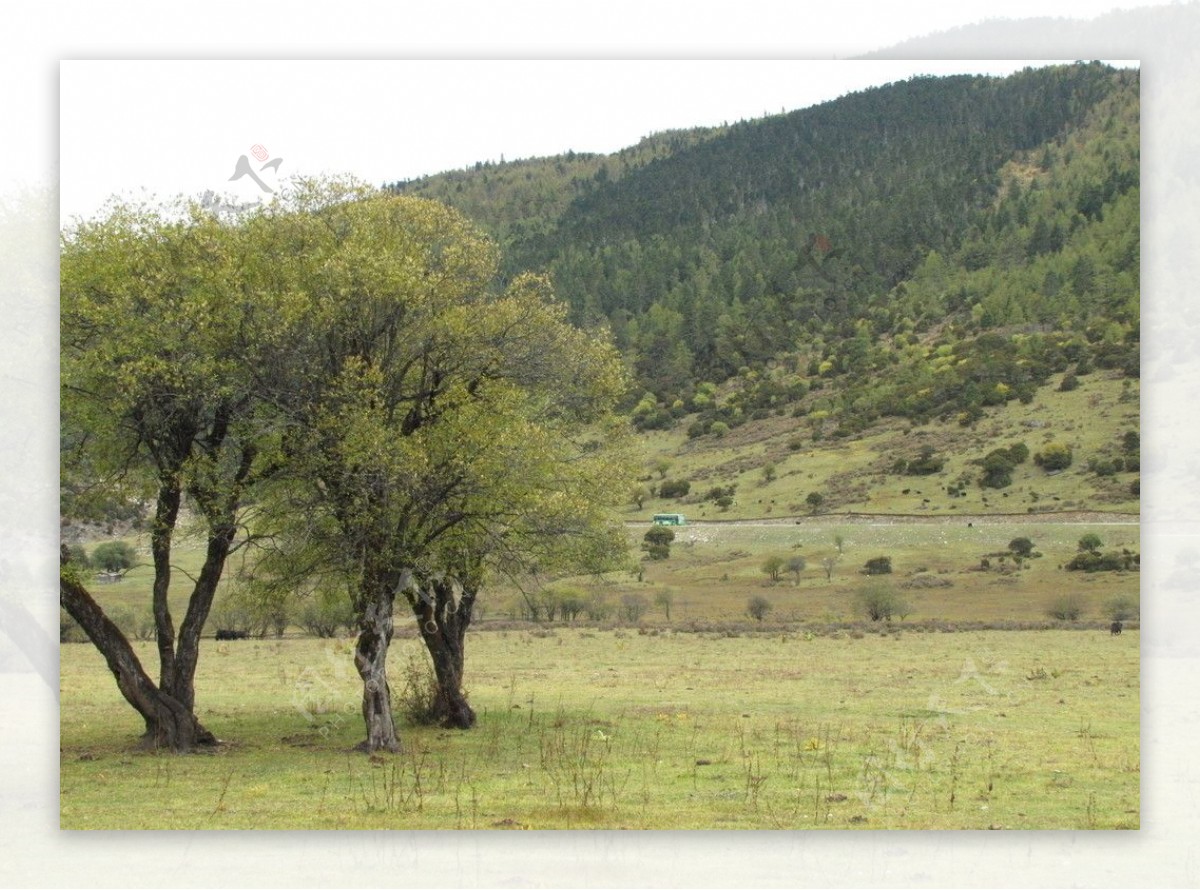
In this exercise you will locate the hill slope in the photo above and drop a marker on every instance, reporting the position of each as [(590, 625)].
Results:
[(940, 251)]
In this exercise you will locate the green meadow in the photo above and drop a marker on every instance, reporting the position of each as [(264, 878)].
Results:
[(871, 727)]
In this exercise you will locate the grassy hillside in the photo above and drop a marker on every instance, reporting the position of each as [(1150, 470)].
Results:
[(855, 474)]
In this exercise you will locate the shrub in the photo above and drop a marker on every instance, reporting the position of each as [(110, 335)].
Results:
[(814, 500), (879, 565), (657, 542), (926, 465), (1066, 607), (664, 599), (1022, 547), (1090, 542), (879, 603), (999, 464), (674, 488), (796, 565), (633, 607), (719, 429), (1123, 607), (597, 607), (1092, 561), (720, 492), (757, 607), (327, 613), (114, 556), (78, 556), (571, 603), (418, 696), (1106, 466), (1055, 456), (997, 469), (772, 567)]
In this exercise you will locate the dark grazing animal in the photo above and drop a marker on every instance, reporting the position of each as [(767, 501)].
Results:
[(233, 634), (1116, 628)]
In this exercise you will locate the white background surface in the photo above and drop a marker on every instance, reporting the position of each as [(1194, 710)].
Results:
[(32, 850)]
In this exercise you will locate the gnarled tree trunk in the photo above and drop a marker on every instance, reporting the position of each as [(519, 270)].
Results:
[(370, 658), (443, 610), (169, 724)]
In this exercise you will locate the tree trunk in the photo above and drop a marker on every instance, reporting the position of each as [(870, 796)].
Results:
[(181, 682), (443, 619), (169, 724), (166, 515), (220, 507), (370, 657)]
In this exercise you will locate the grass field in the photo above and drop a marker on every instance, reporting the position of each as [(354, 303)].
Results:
[(653, 729), (714, 568)]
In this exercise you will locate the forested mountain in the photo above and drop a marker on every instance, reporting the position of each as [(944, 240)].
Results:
[(921, 249)]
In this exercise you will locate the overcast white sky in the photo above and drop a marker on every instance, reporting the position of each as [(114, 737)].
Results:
[(180, 127), (173, 132)]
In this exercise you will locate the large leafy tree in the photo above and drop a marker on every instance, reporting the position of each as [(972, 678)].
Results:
[(157, 329), (436, 423)]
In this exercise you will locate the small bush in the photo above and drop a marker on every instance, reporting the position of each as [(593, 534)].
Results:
[(880, 603), (114, 556), (1022, 547), (571, 602), (79, 557), (1067, 607), (757, 607), (324, 615), (418, 695), (1123, 607), (633, 607), (664, 599), (879, 565), (796, 565), (1091, 561), (773, 566), (597, 607), (657, 542), (926, 465), (1055, 456), (674, 488)]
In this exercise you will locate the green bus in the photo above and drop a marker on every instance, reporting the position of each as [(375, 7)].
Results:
[(670, 519)]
